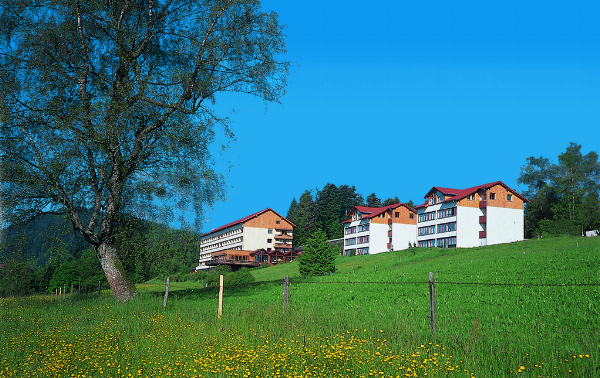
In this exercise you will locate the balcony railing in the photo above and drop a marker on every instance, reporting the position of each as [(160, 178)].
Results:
[(482, 219), (390, 233), (390, 221), (482, 204), (282, 245), (482, 235)]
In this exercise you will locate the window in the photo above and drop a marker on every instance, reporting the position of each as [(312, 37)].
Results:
[(446, 227), (268, 250), (445, 213), (492, 196), (277, 222), (471, 197), (351, 241), (269, 240), (426, 230), (397, 214), (363, 227), (362, 239), (270, 231), (427, 243), (427, 216), (350, 230), (411, 216), (447, 242), (509, 197), (362, 251)]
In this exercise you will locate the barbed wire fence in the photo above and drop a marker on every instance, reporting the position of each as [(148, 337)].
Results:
[(431, 283)]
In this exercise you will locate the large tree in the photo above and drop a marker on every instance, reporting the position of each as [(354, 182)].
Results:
[(567, 192), (105, 107)]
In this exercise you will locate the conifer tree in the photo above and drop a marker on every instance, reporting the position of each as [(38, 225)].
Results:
[(318, 256)]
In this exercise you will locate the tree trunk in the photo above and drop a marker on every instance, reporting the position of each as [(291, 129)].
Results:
[(122, 287)]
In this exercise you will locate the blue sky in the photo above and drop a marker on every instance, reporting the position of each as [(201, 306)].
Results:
[(395, 97)]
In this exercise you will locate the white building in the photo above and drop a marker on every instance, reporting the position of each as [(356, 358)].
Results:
[(263, 230), (373, 230), (482, 215)]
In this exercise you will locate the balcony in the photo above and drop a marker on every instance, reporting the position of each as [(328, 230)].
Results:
[(482, 219), (282, 246), (390, 233), (482, 204), (482, 235), (390, 221), (389, 245), (284, 236)]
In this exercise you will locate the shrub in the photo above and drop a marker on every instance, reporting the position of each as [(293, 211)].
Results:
[(558, 227)]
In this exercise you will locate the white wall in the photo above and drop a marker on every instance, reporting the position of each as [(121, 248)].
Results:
[(468, 227), (378, 239), (504, 225), (402, 234), (256, 238)]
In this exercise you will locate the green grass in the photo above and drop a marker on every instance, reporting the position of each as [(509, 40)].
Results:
[(370, 317)]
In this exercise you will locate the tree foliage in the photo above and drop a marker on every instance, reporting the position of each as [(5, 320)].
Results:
[(105, 108), (318, 256), (16, 279), (303, 216), (373, 200), (562, 197), (391, 201)]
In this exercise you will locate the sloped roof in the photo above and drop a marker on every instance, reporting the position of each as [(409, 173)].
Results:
[(372, 212), (458, 194), (245, 219)]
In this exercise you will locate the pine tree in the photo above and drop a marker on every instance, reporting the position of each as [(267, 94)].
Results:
[(373, 200), (318, 257)]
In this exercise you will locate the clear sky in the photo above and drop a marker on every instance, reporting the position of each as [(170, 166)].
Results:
[(395, 97)]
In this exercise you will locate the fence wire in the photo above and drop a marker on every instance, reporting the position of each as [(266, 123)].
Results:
[(400, 283)]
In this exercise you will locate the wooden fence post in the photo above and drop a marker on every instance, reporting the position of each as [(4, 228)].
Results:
[(220, 311), (166, 292), (286, 292), (432, 302)]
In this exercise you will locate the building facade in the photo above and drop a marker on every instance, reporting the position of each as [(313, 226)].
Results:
[(263, 230), (373, 230), (482, 215)]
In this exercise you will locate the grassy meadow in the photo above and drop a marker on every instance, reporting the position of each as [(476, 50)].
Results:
[(527, 309)]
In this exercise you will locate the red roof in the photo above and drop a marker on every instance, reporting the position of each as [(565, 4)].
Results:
[(459, 194), (245, 219), (372, 212)]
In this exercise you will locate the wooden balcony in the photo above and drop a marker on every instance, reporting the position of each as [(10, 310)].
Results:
[(389, 245), (284, 237), (482, 204), (390, 221), (482, 219), (482, 235), (282, 246)]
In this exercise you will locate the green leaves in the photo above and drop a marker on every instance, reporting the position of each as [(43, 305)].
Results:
[(103, 104), (567, 191), (318, 256)]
